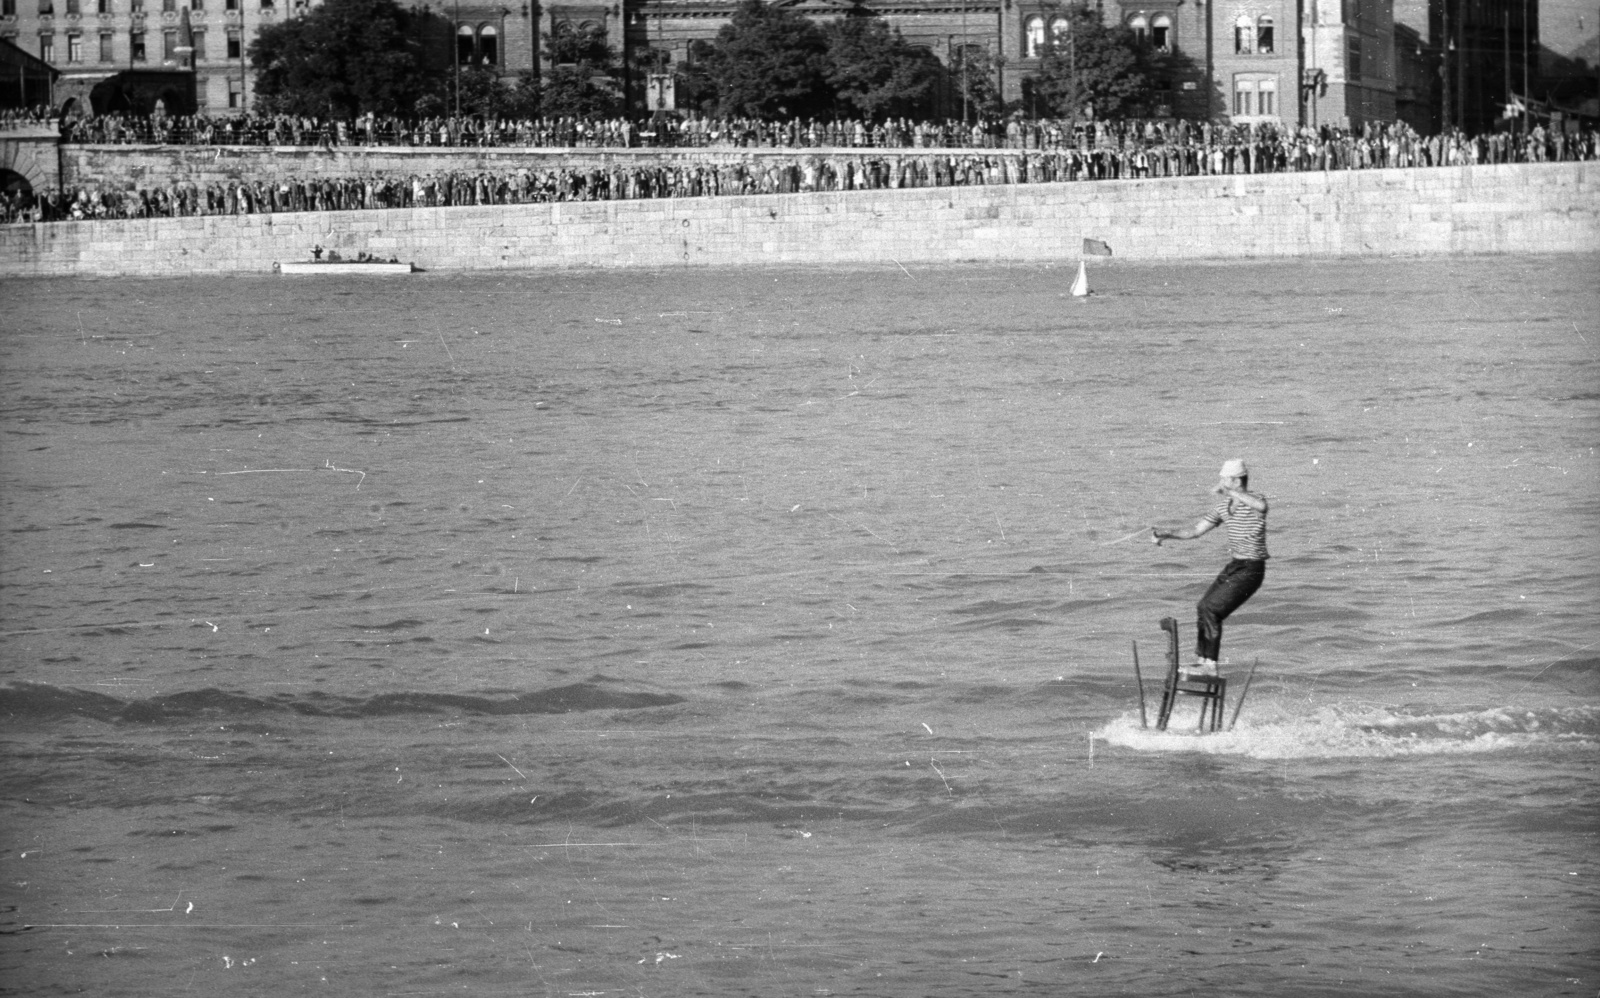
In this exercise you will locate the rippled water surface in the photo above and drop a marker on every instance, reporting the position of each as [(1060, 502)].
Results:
[(771, 633)]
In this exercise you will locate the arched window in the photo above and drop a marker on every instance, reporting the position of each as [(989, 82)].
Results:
[(1140, 26), (1244, 35), (1060, 28), (1161, 33), (489, 45), (466, 43), (1264, 38), (1033, 37)]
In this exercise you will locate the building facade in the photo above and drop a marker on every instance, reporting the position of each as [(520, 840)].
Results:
[(1224, 60), (92, 41), (1288, 61), (1350, 62)]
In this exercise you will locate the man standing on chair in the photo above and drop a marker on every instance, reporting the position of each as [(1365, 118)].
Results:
[(1245, 513)]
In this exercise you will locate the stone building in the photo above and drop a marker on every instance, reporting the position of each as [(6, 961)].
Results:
[(1350, 62), (1227, 60), (1291, 61)]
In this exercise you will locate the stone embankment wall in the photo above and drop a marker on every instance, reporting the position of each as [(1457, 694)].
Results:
[(1523, 208)]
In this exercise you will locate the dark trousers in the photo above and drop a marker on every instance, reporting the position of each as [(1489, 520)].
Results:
[(1238, 582)]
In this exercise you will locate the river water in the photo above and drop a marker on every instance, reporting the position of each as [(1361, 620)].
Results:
[(770, 632)]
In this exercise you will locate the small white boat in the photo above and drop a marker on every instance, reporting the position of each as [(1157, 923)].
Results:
[(1080, 287), (367, 268)]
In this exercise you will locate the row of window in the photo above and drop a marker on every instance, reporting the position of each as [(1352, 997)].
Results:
[(1251, 35), (138, 49), (1255, 95), (8, 8)]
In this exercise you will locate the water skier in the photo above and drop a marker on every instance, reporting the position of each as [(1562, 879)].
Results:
[(1245, 513)]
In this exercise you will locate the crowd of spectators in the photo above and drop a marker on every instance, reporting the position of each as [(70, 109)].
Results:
[(693, 131), (22, 117), (1031, 152)]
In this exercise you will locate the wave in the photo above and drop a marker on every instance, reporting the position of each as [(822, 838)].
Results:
[(20, 702), (1271, 731)]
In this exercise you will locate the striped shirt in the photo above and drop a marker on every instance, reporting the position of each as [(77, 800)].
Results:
[(1247, 528)]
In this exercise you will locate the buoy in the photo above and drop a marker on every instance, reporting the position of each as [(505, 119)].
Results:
[(1080, 287)]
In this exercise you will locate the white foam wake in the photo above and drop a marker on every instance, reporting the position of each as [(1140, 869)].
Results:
[(1279, 731)]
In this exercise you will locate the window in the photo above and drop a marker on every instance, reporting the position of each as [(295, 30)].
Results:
[(1161, 33), (47, 7), (8, 8), (230, 5), (102, 6), (197, 38), (169, 6), (267, 5), (489, 45), (136, 6), (1244, 36), (1244, 94), (1059, 29), (1352, 69), (1140, 26), (47, 47), (235, 97), (106, 47), (1264, 35), (466, 42), (202, 99), (233, 45), (1033, 37), (1255, 94), (74, 8), (197, 5), (169, 46), (74, 47), (136, 46)]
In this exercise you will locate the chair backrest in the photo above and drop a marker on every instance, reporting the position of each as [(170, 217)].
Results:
[(1170, 625)]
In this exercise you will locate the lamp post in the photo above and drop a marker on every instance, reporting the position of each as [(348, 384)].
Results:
[(1445, 116), (1525, 95), (455, 42), (964, 54), (244, 75)]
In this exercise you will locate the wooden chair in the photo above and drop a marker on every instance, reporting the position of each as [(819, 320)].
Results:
[(1213, 690)]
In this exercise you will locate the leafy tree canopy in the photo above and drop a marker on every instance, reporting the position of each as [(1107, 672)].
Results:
[(582, 81), (343, 58), (875, 73), (1093, 69), (974, 76), (481, 92), (769, 62)]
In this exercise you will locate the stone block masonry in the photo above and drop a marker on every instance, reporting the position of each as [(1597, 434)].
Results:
[(1520, 208)]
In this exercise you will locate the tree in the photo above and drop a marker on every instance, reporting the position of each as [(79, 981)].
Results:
[(696, 90), (343, 58), (582, 81), (875, 73), (973, 78), (769, 62), (1092, 69), (481, 92)]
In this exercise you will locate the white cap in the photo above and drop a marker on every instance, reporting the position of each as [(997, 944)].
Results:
[(1234, 468)]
